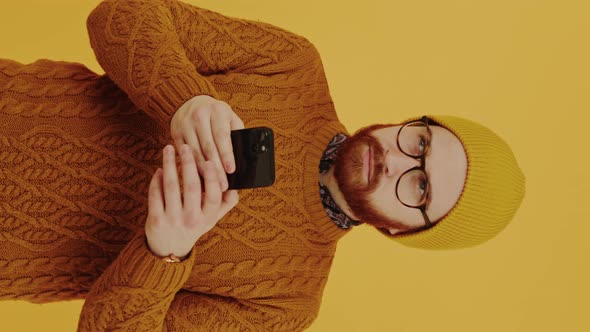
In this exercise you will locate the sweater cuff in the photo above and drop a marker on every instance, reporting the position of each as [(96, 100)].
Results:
[(175, 91), (145, 270)]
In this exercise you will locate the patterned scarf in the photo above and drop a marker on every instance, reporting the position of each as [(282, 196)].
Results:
[(339, 218)]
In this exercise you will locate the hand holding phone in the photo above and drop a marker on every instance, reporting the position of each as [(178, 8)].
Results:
[(205, 123)]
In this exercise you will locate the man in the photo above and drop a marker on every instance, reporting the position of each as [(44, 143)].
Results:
[(87, 144)]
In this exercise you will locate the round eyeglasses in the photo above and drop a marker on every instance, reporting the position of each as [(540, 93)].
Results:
[(412, 187)]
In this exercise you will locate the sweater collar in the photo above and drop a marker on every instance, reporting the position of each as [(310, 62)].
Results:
[(324, 225)]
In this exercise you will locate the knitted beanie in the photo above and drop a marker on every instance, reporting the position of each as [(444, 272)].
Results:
[(493, 190)]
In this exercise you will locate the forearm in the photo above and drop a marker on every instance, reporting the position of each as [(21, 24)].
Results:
[(135, 42), (135, 291), (161, 52)]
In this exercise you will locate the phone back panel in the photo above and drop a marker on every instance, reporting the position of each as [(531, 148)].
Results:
[(254, 155)]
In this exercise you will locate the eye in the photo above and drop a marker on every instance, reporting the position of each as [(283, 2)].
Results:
[(413, 188), (422, 145), (422, 185)]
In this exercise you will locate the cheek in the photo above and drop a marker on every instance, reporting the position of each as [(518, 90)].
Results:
[(384, 199)]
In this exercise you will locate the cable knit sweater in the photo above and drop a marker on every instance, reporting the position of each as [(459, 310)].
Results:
[(78, 151)]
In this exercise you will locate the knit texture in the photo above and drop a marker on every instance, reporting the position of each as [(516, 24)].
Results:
[(78, 150)]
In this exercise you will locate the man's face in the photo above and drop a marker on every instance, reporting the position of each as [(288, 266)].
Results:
[(373, 153)]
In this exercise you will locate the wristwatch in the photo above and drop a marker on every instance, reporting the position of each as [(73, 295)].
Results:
[(171, 259), (168, 259)]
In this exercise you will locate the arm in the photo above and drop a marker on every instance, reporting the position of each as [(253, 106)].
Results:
[(160, 51), (203, 312), (139, 292), (135, 291)]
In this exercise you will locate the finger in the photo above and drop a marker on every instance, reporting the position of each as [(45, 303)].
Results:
[(178, 138), (192, 183), (190, 138), (212, 199), (220, 125), (236, 122), (178, 142), (225, 120), (229, 201), (171, 185), (155, 197), (205, 137), (202, 124)]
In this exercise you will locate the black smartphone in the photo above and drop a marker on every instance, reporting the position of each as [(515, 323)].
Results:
[(254, 156)]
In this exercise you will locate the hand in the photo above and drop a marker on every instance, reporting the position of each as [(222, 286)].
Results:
[(172, 228), (205, 124)]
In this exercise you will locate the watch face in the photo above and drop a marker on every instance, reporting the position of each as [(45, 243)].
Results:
[(171, 259)]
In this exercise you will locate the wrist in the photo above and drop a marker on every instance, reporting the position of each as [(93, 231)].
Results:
[(170, 257)]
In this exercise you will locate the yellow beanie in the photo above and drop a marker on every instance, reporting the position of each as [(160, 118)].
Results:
[(494, 188)]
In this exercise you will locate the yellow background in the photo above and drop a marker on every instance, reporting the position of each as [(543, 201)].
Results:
[(520, 67)]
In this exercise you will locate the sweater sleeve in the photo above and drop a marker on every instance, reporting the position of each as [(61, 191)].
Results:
[(160, 52), (140, 292), (192, 311), (135, 291)]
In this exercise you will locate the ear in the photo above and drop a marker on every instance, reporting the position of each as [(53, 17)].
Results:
[(393, 231)]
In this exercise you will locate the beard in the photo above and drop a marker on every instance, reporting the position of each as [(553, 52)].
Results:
[(348, 172)]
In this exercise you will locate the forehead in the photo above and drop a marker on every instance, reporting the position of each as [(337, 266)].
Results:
[(446, 166)]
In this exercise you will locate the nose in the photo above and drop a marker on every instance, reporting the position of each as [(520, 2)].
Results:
[(395, 163)]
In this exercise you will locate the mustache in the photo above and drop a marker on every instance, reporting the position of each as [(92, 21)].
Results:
[(348, 171), (351, 164)]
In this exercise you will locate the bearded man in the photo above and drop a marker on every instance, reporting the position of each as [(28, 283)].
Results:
[(83, 152)]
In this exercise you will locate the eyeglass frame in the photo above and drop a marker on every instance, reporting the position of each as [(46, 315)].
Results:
[(422, 167)]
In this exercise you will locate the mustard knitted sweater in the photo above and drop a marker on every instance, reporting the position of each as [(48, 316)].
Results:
[(78, 151)]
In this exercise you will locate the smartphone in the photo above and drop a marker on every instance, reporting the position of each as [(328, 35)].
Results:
[(254, 156)]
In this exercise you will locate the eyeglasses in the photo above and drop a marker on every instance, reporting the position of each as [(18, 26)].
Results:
[(413, 188)]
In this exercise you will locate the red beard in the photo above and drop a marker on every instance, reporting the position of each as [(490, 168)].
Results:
[(348, 171)]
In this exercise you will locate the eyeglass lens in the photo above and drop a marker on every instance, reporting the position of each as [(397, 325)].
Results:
[(413, 139)]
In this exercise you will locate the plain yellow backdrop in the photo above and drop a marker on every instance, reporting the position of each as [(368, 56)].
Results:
[(520, 67)]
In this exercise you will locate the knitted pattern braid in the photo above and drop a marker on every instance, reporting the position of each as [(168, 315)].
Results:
[(78, 150)]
